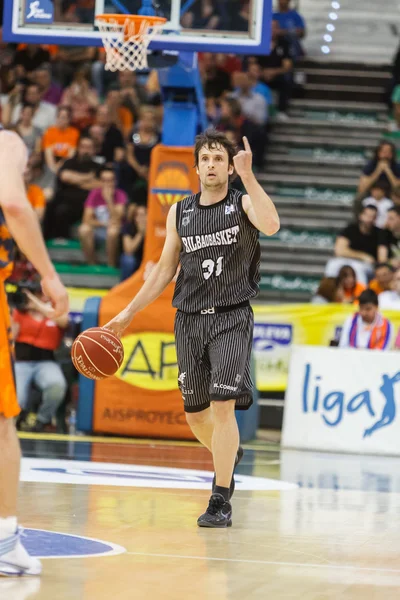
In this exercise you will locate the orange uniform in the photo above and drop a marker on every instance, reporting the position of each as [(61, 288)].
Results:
[(8, 397), (11, 151), (36, 196)]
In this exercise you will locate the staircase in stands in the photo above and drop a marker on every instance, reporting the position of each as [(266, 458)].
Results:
[(313, 164)]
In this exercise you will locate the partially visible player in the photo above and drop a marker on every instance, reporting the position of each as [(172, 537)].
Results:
[(17, 221), (214, 236)]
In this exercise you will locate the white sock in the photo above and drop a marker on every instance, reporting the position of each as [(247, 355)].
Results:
[(8, 527)]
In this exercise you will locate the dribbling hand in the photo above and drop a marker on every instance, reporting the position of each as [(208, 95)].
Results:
[(118, 324), (243, 160)]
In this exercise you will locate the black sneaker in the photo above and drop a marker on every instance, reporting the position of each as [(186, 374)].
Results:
[(218, 513), (239, 457)]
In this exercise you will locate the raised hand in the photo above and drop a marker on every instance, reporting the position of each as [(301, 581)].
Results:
[(243, 160)]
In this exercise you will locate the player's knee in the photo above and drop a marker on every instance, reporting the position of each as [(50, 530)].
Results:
[(196, 419), (85, 230), (223, 409)]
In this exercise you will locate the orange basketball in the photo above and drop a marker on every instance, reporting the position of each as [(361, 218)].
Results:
[(97, 353)]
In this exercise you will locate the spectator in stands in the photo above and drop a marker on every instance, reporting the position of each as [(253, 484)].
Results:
[(133, 235), (383, 168), (240, 18), (141, 141), (119, 114), (69, 60), (76, 178), (50, 91), (328, 291), (44, 113), (97, 134), (34, 193), (102, 219), (254, 106), (389, 239), (378, 198), (37, 336), (112, 147), (292, 26), (60, 142), (216, 82), (347, 282), (203, 14), (31, 135), (42, 176), (394, 125), (255, 75), (390, 299), (133, 93), (81, 98), (277, 70), (357, 246), (29, 58), (232, 119), (383, 279), (367, 329)]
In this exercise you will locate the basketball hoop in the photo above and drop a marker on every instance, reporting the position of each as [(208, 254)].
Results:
[(126, 39)]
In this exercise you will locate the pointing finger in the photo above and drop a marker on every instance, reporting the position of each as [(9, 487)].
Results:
[(246, 144)]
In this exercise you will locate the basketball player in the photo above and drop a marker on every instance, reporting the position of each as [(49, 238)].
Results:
[(214, 236), (17, 219)]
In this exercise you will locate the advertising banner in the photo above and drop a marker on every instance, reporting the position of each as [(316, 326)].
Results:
[(342, 400), (131, 402), (277, 328)]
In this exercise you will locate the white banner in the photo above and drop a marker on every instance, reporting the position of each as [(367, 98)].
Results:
[(343, 401)]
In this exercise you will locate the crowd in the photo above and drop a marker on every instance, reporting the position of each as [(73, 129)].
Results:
[(365, 271)]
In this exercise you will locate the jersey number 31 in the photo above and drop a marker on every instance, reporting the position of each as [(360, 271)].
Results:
[(210, 266)]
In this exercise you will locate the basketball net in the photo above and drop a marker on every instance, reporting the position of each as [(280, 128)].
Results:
[(126, 39)]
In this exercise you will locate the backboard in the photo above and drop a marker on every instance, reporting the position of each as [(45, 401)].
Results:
[(229, 26)]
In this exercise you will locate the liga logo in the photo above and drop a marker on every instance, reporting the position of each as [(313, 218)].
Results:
[(150, 361), (171, 184)]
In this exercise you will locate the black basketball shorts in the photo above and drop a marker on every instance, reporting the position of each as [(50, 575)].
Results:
[(213, 353)]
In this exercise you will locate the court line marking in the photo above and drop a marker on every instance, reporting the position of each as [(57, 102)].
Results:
[(266, 562), (60, 437)]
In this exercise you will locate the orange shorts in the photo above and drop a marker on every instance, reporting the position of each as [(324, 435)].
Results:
[(8, 395)]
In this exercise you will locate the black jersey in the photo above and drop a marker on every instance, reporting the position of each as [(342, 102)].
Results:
[(220, 256)]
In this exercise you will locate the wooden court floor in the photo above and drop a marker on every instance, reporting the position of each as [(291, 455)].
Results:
[(306, 526)]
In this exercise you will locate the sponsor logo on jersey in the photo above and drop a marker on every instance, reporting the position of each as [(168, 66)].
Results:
[(229, 209), (226, 237), (150, 361), (185, 221), (222, 386)]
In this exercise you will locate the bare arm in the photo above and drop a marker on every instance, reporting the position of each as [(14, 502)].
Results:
[(383, 254), (50, 160), (343, 250), (257, 205), (367, 180), (21, 220), (46, 310), (158, 280), (90, 219), (394, 182)]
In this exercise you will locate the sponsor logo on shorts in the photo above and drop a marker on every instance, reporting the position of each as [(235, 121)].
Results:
[(181, 378), (222, 386)]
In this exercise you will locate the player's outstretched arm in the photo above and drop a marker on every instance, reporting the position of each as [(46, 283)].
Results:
[(159, 278), (22, 221), (257, 205)]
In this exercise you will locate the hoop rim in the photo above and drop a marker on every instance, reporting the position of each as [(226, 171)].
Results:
[(121, 19)]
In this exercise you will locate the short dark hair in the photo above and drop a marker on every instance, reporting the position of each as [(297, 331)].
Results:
[(368, 297), (211, 138), (370, 206), (106, 169), (381, 185), (395, 209), (381, 265)]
